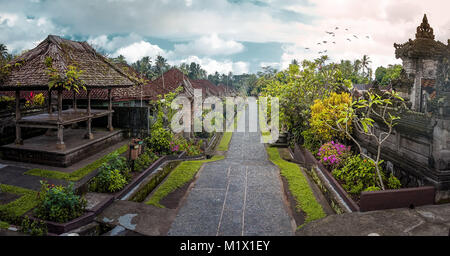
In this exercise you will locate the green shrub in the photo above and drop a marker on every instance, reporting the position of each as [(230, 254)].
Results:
[(59, 204), (145, 160), (393, 182), (359, 175), (112, 175), (181, 144), (159, 140), (372, 188), (356, 175), (34, 228), (108, 180), (310, 142)]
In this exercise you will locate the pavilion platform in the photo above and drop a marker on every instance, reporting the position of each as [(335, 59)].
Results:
[(68, 116), (42, 149)]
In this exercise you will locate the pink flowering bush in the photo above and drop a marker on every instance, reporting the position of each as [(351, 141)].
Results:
[(332, 154)]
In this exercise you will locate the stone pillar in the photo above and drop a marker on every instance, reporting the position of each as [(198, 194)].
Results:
[(110, 127), (89, 134), (19, 140), (59, 105), (60, 144)]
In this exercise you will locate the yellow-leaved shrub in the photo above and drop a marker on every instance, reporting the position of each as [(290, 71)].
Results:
[(326, 113)]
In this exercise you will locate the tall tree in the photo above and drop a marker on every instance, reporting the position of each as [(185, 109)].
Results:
[(365, 61), (161, 65), (144, 67), (119, 59)]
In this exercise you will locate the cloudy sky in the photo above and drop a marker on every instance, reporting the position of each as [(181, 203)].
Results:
[(226, 35)]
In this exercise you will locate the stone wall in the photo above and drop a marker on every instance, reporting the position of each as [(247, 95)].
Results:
[(418, 151)]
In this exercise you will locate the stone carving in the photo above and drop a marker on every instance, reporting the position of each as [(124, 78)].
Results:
[(425, 30)]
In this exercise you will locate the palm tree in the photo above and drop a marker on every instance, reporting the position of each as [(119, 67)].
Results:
[(365, 61), (161, 64), (3, 52)]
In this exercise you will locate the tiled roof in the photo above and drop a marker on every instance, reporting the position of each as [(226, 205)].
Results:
[(98, 72), (169, 82)]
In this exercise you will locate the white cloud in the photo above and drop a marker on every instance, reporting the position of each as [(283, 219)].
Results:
[(209, 46), (212, 65), (136, 51), (114, 43), (20, 32)]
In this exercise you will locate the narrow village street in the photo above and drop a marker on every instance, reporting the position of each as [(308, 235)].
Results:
[(240, 195)]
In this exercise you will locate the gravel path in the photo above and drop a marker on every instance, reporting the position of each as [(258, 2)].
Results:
[(240, 195)]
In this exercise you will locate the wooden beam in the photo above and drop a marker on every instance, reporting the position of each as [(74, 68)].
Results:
[(19, 140)]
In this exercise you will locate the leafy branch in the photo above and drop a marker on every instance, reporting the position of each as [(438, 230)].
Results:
[(70, 80)]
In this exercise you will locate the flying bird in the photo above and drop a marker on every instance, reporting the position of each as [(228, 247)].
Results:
[(324, 42), (337, 28), (334, 42), (346, 29), (349, 39), (355, 36), (318, 43), (306, 48)]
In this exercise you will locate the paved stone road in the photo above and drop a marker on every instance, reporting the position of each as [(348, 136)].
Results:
[(240, 195)]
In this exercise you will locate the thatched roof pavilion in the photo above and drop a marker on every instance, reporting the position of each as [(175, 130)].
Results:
[(30, 72)]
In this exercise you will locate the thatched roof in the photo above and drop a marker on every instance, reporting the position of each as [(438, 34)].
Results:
[(31, 74)]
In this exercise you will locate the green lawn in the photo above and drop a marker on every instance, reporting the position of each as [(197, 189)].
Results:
[(23, 204), (181, 175), (78, 174), (298, 185)]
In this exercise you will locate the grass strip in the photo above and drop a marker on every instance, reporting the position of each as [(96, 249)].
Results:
[(4, 225), (23, 204), (226, 137), (299, 187), (78, 174), (225, 141), (181, 175)]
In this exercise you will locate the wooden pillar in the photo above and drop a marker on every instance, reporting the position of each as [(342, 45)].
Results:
[(50, 110), (89, 134), (19, 140), (110, 127), (74, 106), (74, 100), (60, 144)]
